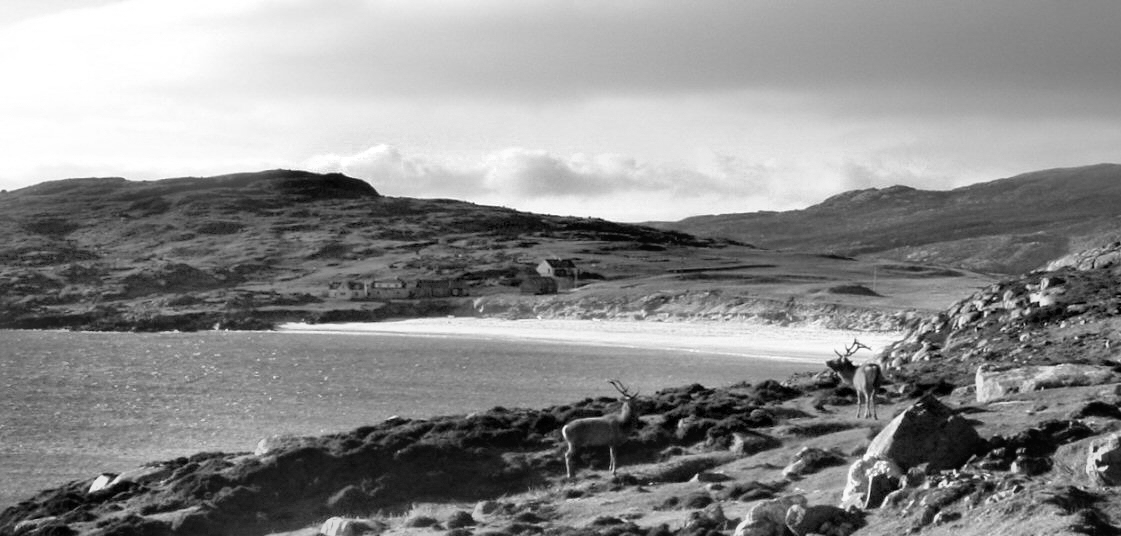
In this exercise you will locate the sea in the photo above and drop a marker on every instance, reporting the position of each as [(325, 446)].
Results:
[(77, 404)]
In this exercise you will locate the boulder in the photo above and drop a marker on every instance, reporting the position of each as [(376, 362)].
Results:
[(101, 482), (768, 518), (345, 526), (819, 519), (1103, 462), (926, 432), (993, 385), (870, 479), (459, 519)]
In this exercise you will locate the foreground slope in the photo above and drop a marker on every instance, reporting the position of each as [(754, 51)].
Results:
[(698, 463), (1005, 226)]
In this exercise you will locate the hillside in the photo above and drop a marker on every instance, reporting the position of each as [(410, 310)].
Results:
[(960, 457), (1005, 226), (252, 249)]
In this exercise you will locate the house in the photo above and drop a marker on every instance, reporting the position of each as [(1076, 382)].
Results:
[(562, 268), (348, 290), (390, 289)]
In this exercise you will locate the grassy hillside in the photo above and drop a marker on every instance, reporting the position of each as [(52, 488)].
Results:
[(264, 246), (1006, 226)]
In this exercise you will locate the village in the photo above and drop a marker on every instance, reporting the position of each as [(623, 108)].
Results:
[(548, 277)]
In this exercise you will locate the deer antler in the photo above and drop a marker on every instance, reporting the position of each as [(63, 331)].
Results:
[(618, 385), (852, 349)]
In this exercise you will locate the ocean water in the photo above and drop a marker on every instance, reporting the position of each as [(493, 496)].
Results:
[(73, 405)]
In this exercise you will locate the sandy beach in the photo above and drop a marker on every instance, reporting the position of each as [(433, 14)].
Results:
[(748, 340)]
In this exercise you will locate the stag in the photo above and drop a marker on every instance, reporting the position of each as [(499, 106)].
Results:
[(609, 430), (865, 379)]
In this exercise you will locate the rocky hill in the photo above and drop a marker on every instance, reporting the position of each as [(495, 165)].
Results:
[(1007, 420), (253, 249), (1006, 226)]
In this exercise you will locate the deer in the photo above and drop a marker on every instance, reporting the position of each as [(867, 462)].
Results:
[(865, 379), (610, 430)]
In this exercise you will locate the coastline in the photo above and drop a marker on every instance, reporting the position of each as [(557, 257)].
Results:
[(792, 343)]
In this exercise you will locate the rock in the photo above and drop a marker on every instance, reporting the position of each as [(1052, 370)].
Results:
[(870, 479), (484, 508), (1031, 465), (459, 519), (348, 499), (343, 526), (998, 384), (38, 524), (711, 518), (142, 475), (277, 443), (926, 432), (101, 482), (1103, 463), (748, 443), (818, 519), (811, 460), (709, 476), (768, 518)]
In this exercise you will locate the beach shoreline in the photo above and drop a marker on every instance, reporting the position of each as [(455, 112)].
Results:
[(759, 341)]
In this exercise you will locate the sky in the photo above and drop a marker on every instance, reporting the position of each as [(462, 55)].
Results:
[(630, 111)]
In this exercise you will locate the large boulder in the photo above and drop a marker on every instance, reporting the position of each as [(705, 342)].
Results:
[(927, 432), (993, 385)]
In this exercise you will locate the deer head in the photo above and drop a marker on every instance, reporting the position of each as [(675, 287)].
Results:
[(842, 365)]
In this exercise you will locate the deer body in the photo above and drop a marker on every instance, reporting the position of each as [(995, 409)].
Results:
[(607, 430), (864, 379)]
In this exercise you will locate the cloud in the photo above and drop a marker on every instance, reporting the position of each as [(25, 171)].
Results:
[(578, 184)]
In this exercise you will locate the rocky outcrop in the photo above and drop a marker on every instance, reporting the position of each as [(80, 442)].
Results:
[(994, 385), (1022, 320), (1099, 257)]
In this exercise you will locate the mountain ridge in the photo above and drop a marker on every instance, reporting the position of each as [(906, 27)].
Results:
[(1005, 226)]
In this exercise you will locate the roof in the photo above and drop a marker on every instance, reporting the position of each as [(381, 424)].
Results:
[(560, 263)]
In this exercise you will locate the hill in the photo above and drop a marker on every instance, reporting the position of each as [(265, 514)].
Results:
[(252, 249), (1006, 226)]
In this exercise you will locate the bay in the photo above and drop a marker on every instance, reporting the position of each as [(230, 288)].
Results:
[(73, 405)]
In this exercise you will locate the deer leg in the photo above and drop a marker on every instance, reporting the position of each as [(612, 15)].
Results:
[(861, 399), (568, 461), (611, 450), (872, 405)]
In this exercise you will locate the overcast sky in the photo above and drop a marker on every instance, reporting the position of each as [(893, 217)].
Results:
[(626, 110)]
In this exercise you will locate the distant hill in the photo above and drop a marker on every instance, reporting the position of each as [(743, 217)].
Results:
[(1005, 226), (251, 249)]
